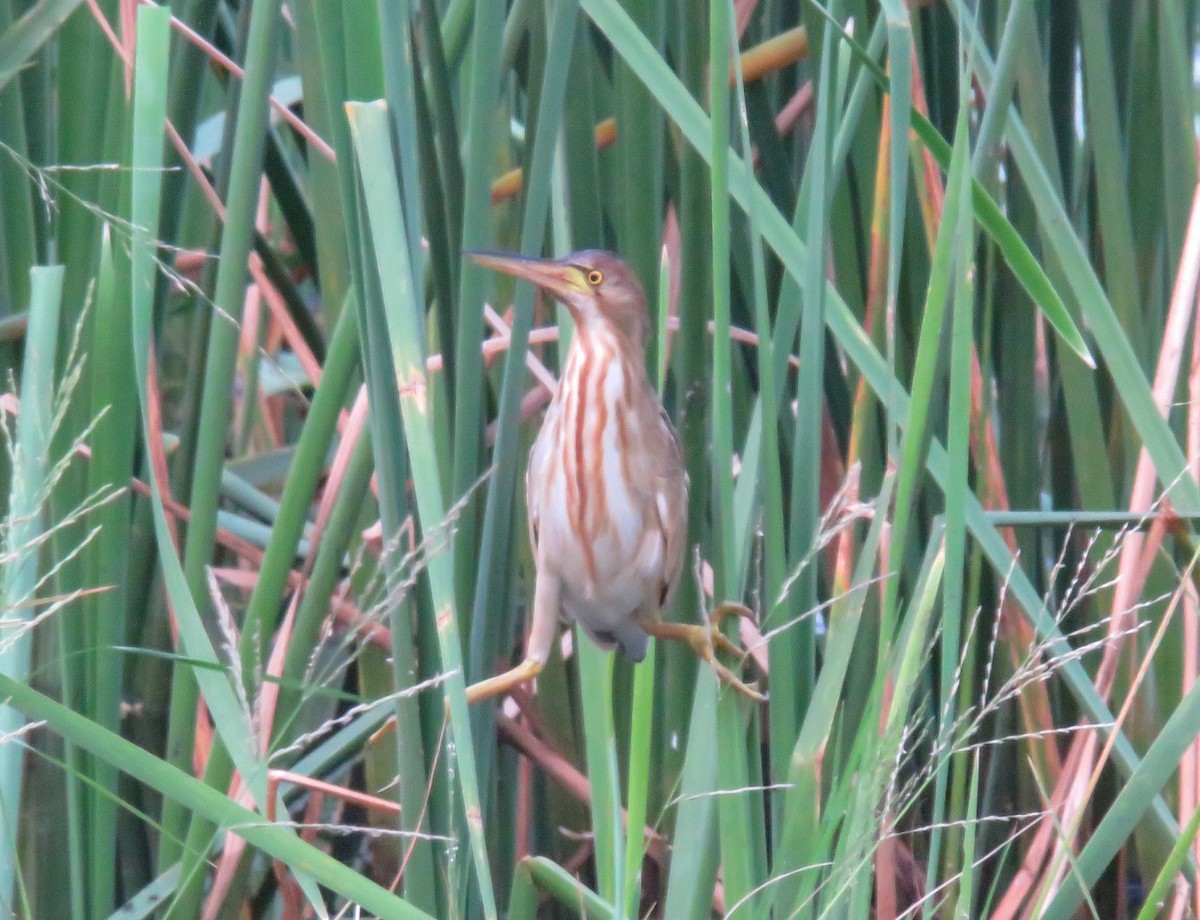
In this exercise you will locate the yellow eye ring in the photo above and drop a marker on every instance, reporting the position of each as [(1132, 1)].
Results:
[(594, 277)]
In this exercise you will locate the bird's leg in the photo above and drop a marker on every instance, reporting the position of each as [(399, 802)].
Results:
[(537, 650), (706, 639), (501, 683)]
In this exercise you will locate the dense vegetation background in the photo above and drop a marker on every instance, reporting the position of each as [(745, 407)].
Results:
[(923, 279)]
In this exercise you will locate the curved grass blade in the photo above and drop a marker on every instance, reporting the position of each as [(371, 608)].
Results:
[(564, 888), (25, 37), (196, 796), (372, 144)]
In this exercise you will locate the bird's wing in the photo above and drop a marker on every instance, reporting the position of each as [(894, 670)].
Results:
[(670, 503), (535, 476)]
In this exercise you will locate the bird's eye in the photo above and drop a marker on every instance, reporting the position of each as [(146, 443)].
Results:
[(594, 277)]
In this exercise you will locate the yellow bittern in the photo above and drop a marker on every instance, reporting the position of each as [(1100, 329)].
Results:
[(606, 485)]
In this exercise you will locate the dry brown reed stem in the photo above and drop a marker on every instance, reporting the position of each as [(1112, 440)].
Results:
[(504, 332), (775, 53), (755, 644), (262, 283), (795, 107), (319, 791), (886, 901), (1035, 857), (194, 170), (524, 740), (268, 694), (524, 807), (876, 297), (1015, 628), (158, 465), (127, 11), (118, 46), (226, 869), (230, 66), (1130, 575), (235, 846), (355, 422), (247, 340), (861, 422), (1189, 768), (742, 11), (332, 790), (281, 315)]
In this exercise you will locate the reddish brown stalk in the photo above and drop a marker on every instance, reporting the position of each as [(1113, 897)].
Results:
[(1130, 575), (1018, 635), (194, 170), (773, 54), (524, 806), (320, 790), (796, 106), (755, 644), (555, 766), (268, 694), (228, 64), (742, 11), (504, 333), (128, 14), (862, 422), (281, 315), (1070, 812), (235, 846), (886, 901), (352, 429), (320, 787), (1189, 768), (223, 875), (1027, 875), (118, 46), (247, 347), (876, 296)]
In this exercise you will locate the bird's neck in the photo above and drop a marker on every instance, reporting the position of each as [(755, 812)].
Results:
[(599, 340)]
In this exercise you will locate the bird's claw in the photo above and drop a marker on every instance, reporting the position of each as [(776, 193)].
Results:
[(712, 639)]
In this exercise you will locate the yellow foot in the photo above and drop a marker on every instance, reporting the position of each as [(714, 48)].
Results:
[(706, 639), (501, 683)]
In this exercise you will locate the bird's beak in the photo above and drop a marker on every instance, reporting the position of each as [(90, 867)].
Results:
[(559, 278)]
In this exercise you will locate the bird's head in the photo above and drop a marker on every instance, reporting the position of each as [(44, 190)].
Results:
[(596, 286)]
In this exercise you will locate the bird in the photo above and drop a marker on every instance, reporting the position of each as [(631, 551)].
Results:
[(606, 486)]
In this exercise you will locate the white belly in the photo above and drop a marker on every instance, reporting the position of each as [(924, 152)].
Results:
[(592, 532)]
